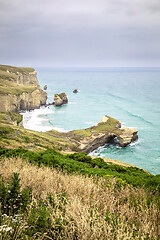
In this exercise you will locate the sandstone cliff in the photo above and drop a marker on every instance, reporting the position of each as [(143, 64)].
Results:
[(19, 89)]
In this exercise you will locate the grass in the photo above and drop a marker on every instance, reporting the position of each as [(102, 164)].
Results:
[(74, 206), (8, 87), (81, 163), (30, 139), (110, 126), (5, 130), (16, 69), (15, 117)]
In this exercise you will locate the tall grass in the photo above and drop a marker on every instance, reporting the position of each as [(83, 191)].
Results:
[(72, 206)]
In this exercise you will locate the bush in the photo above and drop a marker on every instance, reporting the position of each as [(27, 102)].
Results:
[(13, 200), (81, 163)]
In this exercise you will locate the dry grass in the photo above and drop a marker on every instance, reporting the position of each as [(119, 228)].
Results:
[(95, 208)]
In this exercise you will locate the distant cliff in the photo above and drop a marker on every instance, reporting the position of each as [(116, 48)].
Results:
[(19, 89)]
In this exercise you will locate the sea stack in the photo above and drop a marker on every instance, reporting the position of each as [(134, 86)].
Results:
[(45, 87), (75, 90), (60, 99)]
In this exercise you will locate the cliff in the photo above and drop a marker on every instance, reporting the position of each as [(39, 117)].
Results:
[(19, 89)]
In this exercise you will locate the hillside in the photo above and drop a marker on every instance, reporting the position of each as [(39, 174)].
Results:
[(50, 196), (47, 195)]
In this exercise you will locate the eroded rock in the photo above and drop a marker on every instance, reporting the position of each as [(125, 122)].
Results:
[(60, 99), (106, 131), (127, 136)]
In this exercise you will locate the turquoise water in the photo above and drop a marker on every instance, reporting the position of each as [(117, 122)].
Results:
[(131, 95)]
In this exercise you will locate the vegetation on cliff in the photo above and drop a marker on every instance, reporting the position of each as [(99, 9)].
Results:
[(13, 69)]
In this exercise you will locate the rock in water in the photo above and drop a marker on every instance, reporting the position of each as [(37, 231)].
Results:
[(60, 99), (75, 90), (127, 136), (45, 87)]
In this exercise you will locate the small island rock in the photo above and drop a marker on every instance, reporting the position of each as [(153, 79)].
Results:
[(75, 90), (60, 99), (45, 87)]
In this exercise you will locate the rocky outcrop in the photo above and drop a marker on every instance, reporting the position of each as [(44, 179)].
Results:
[(60, 99), (45, 87), (127, 136), (19, 89), (106, 131)]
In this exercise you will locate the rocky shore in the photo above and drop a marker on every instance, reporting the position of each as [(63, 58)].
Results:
[(89, 139)]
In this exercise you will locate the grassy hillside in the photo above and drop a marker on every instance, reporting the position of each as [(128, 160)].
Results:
[(45, 194), (12, 136), (46, 203)]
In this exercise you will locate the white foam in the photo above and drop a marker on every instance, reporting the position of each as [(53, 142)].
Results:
[(90, 123), (37, 119), (60, 129), (72, 103), (136, 143)]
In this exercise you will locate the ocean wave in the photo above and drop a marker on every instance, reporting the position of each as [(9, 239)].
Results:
[(59, 129), (100, 152), (136, 143), (120, 98), (135, 116), (72, 103), (37, 119), (139, 117), (90, 123)]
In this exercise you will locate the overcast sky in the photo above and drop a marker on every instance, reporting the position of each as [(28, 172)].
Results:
[(80, 33)]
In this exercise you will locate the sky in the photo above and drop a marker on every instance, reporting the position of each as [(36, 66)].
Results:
[(80, 33)]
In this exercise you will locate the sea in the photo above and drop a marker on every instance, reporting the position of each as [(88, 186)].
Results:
[(131, 95)]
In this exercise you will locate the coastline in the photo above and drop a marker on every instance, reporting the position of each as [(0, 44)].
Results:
[(143, 153), (45, 110)]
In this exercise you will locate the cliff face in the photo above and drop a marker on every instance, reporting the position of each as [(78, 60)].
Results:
[(19, 89)]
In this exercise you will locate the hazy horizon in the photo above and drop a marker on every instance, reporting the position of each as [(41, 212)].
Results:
[(86, 33)]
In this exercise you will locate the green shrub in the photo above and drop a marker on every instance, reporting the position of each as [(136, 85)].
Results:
[(13, 200), (81, 163), (38, 219)]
